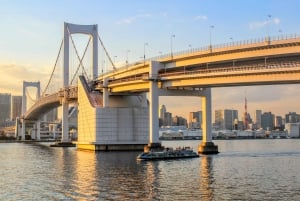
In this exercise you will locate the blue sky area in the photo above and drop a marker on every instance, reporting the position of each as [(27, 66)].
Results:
[(31, 32)]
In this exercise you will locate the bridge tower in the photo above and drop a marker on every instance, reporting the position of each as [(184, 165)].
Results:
[(24, 104), (68, 30)]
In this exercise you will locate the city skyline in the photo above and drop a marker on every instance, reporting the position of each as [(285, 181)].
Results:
[(32, 31)]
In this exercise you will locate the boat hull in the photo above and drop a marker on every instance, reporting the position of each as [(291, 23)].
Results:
[(148, 156)]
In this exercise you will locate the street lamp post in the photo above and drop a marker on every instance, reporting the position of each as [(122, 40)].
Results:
[(171, 42), (190, 47), (145, 52), (115, 57), (268, 27), (210, 30), (127, 51), (231, 40)]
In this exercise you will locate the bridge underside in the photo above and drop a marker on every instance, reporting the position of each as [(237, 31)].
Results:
[(237, 79)]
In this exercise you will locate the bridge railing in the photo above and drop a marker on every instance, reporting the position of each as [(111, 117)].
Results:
[(208, 48), (230, 69)]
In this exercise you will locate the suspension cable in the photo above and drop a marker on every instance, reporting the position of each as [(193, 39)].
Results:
[(77, 54), (110, 60), (52, 73), (78, 67)]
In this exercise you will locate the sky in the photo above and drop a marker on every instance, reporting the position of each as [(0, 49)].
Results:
[(31, 32)]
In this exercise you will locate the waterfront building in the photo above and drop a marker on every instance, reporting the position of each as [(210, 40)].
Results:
[(5, 105), (293, 129), (16, 107), (195, 120), (267, 121), (224, 119), (292, 117)]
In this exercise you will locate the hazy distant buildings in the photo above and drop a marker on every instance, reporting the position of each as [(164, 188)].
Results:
[(16, 107), (293, 129), (5, 105), (257, 119), (195, 119), (267, 121), (225, 119), (165, 118), (179, 121), (279, 123), (292, 117)]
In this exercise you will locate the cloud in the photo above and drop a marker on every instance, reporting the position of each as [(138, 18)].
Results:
[(200, 17), (260, 24), (12, 77), (132, 19)]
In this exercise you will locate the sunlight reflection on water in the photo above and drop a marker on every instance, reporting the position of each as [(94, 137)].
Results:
[(244, 170)]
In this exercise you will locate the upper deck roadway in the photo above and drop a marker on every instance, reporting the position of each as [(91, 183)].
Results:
[(257, 63), (253, 63)]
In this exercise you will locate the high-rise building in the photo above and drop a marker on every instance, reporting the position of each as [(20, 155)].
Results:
[(195, 119), (224, 119), (16, 107), (257, 118), (165, 118), (267, 121), (279, 122), (162, 111), (5, 105)]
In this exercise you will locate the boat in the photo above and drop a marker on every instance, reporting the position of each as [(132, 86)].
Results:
[(168, 153)]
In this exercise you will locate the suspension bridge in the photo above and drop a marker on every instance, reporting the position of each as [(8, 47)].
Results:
[(118, 109)]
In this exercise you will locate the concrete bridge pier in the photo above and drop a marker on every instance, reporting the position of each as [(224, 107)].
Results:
[(207, 146), (65, 123), (54, 128), (18, 128), (154, 143), (38, 129), (23, 130)]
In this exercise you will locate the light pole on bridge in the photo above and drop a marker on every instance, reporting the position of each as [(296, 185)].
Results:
[(127, 51), (268, 27), (210, 30), (171, 43), (145, 44)]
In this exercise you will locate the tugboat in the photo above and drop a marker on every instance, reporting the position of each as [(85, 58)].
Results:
[(168, 153)]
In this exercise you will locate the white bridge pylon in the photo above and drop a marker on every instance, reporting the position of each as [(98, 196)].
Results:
[(70, 29), (24, 101)]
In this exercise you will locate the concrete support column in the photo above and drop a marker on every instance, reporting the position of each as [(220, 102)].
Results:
[(54, 131), (38, 130), (17, 130), (105, 93), (65, 123), (33, 132), (154, 143), (207, 146), (206, 116), (153, 112), (23, 130)]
